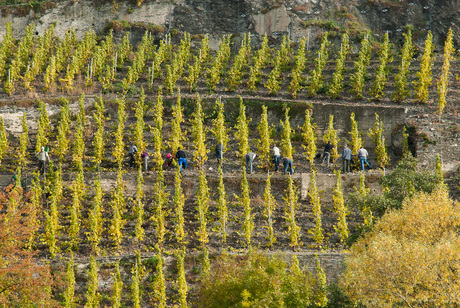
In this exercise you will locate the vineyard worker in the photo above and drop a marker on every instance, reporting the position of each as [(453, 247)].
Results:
[(219, 151), (346, 159), (43, 157), (362, 154), (180, 155), (249, 160), (276, 157), (14, 179), (287, 162), (132, 152), (327, 152), (167, 162), (145, 158)]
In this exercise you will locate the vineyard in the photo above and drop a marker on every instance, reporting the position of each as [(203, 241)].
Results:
[(154, 234)]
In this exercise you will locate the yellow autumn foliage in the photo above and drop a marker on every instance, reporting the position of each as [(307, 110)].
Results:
[(411, 258)]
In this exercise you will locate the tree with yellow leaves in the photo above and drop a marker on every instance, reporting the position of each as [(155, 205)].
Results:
[(410, 257)]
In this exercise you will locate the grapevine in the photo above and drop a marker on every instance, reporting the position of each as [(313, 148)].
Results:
[(356, 140), (291, 197), (177, 134), (199, 134), (117, 287), (366, 210), (259, 60), (78, 192), (140, 125), (69, 293), (242, 132), (299, 66), (265, 140), (218, 126), (443, 81), (274, 78), (222, 207), (358, 78), (179, 202), (95, 219), (3, 139), (119, 151), (245, 201), (63, 130), (92, 296), (161, 199), (401, 78), (316, 75), (118, 209), (219, 64), (336, 86), (159, 285), (99, 140), (341, 210), (241, 60), (202, 201), (331, 135), (424, 75), (286, 143), (181, 279), (270, 205), (6, 48), (309, 137), (381, 73), (139, 207), (313, 193), (377, 137)]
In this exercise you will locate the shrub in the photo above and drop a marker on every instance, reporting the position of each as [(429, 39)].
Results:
[(411, 258), (405, 180), (257, 281)]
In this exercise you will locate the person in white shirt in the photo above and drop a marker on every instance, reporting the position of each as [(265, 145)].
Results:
[(362, 155), (276, 157), (42, 159)]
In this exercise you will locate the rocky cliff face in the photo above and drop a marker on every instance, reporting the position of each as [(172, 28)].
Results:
[(274, 17)]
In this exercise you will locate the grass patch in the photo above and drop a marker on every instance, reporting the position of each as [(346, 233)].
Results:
[(122, 25)]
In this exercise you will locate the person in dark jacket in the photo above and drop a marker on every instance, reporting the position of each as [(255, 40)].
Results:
[(346, 159), (327, 152), (180, 155), (219, 151), (132, 153)]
